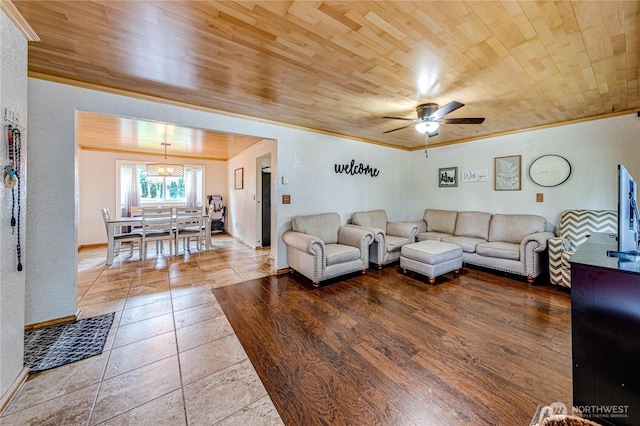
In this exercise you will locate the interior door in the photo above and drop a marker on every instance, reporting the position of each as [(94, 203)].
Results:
[(266, 209)]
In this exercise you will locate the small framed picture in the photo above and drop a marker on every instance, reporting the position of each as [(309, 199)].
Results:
[(239, 178), (448, 177), (508, 173)]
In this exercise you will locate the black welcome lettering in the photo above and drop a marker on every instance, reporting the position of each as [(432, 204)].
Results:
[(353, 169)]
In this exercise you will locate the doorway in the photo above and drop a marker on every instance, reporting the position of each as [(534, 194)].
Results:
[(263, 198)]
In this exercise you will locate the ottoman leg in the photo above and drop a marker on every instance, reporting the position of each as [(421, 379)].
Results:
[(432, 280), (404, 270)]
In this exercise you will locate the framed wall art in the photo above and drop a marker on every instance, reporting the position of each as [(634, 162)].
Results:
[(448, 177), (508, 173), (239, 178)]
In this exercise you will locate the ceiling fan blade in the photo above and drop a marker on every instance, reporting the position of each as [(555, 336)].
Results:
[(400, 118), (400, 128), (468, 120), (446, 109)]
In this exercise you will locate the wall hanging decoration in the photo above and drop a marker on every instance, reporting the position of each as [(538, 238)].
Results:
[(12, 180), (356, 169), (448, 177), (475, 175), (239, 178), (507, 173)]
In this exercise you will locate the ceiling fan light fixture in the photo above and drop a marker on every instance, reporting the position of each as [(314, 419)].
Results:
[(427, 127)]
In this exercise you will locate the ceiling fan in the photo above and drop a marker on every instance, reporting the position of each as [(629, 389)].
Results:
[(430, 118)]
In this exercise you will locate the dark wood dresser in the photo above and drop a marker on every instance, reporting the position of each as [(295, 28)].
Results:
[(605, 315)]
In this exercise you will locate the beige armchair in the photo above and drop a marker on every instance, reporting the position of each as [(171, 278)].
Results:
[(574, 229), (389, 237), (320, 248)]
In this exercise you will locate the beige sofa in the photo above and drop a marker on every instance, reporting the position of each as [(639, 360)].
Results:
[(513, 243), (389, 237), (320, 247)]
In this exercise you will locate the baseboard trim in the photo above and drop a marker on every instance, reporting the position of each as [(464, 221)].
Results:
[(13, 389), (56, 321), (283, 271), (91, 246)]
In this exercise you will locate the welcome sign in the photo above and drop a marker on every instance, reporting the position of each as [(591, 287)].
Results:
[(356, 169)]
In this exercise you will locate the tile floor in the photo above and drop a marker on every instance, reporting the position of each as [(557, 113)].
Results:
[(171, 357)]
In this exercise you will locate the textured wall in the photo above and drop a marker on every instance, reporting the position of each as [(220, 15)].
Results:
[(594, 149), (13, 96)]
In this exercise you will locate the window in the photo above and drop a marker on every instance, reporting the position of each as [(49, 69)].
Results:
[(137, 189), (160, 189)]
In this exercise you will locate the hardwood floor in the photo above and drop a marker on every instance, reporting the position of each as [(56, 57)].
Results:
[(386, 348)]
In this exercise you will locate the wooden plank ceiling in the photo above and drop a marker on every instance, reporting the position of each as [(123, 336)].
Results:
[(339, 66)]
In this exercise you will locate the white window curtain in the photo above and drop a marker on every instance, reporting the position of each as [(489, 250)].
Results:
[(130, 188), (191, 186)]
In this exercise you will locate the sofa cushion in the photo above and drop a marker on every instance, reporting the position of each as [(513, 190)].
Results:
[(440, 220), (395, 243), (468, 244), (340, 253), (473, 224), (324, 226), (512, 228), (500, 250), (437, 236), (371, 219)]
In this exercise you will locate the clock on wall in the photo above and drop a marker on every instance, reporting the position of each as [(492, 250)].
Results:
[(550, 170)]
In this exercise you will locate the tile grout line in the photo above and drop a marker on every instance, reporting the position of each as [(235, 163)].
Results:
[(175, 331)]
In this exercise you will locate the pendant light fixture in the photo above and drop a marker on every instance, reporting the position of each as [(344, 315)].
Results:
[(165, 169)]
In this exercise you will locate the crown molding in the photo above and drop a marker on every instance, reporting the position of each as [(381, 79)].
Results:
[(18, 20)]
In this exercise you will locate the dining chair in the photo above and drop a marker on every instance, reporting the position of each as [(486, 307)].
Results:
[(132, 237), (157, 225), (189, 224)]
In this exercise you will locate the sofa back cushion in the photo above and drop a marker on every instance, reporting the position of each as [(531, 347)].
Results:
[(440, 220), (512, 228), (371, 219), (324, 226), (473, 224)]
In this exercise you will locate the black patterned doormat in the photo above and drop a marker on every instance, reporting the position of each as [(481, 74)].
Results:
[(61, 344)]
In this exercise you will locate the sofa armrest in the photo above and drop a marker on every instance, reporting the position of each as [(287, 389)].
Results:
[(378, 234), (356, 236), (303, 242), (403, 229), (421, 224), (539, 238)]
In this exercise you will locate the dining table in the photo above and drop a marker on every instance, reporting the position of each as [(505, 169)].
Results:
[(136, 221)]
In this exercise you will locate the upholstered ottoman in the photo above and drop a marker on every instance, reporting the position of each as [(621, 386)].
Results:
[(431, 258)]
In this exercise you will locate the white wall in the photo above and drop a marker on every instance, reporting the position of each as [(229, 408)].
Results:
[(307, 161), (242, 216), (13, 96), (97, 188), (594, 148)]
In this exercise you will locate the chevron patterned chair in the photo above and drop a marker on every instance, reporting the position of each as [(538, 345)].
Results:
[(575, 226)]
